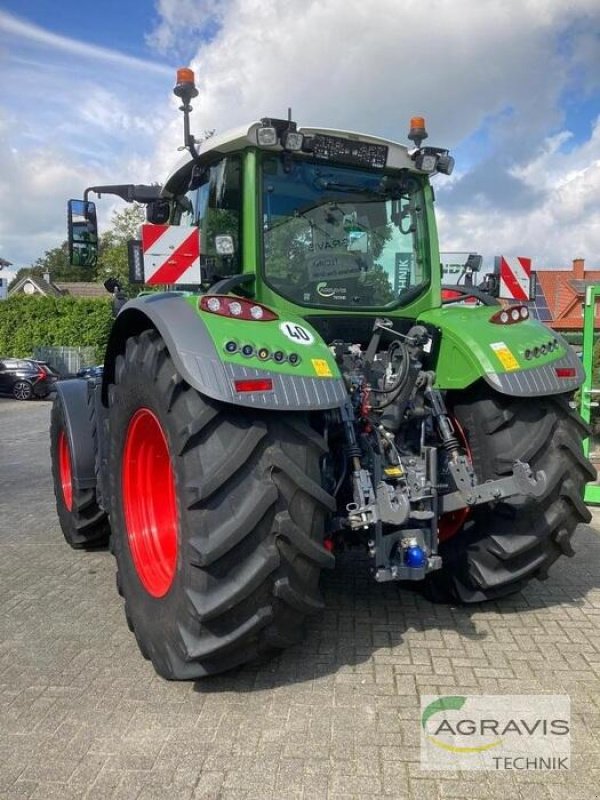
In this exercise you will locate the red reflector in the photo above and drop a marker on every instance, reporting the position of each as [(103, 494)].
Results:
[(450, 294), (236, 308), (565, 372), (254, 385)]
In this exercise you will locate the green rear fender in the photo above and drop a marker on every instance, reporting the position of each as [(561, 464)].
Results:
[(282, 364), (525, 359)]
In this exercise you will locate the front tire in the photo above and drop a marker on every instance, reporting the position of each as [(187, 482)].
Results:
[(501, 547), (219, 549), (84, 524)]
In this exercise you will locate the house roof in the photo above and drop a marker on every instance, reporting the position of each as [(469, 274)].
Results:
[(81, 289), (40, 285), (5, 263), (59, 289), (564, 291)]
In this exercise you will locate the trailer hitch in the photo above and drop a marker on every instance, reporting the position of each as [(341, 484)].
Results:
[(468, 491), (401, 508)]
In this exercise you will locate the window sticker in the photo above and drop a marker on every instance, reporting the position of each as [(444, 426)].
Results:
[(333, 292)]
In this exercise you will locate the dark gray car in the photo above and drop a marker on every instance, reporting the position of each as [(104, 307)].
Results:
[(25, 378)]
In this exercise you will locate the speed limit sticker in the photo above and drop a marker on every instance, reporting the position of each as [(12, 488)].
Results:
[(296, 333)]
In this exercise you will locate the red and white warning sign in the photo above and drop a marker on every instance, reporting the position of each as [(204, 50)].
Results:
[(515, 278), (171, 254)]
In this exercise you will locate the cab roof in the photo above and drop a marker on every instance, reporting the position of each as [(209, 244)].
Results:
[(245, 137)]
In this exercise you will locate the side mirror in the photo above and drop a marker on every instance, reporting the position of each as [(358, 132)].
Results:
[(82, 233), (473, 262)]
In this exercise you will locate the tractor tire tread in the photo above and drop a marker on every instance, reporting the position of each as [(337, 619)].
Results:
[(500, 549), (252, 515)]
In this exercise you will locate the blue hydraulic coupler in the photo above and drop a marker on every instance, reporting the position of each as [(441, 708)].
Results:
[(415, 556)]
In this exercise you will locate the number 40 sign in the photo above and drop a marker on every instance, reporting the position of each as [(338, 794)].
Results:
[(296, 333)]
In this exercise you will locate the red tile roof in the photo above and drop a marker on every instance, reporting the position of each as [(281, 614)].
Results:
[(564, 291)]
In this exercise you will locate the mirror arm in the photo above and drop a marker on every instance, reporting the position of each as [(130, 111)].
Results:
[(470, 291), (131, 193), (225, 285)]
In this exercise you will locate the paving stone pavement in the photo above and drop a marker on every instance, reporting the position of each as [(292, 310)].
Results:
[(82, 715)]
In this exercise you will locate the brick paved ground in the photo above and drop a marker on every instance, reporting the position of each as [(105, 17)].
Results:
[(82, 715)]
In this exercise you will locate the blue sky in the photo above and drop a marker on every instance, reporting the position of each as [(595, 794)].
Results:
[(513, 88), (102, 23)]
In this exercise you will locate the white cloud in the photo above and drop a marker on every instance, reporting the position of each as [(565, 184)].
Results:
[(562, 225), (370, 66), (71, 115), (373, 65), (502, 66), (182, 22)]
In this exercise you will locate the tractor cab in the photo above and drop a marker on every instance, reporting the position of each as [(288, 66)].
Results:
[(313, 219), (316, 218)]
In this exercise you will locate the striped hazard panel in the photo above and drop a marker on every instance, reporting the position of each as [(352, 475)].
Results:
[(515, 278), (171, 254)]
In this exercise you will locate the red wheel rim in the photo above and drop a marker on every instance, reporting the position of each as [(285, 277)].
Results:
[(149, 503), (65, 469), (451, 523)]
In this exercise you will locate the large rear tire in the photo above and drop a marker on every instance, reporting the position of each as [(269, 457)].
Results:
[(501, 547), (217, 515), (84, 524)]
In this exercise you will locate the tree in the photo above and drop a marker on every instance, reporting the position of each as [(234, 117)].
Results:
[(112, 253), (112, 256)]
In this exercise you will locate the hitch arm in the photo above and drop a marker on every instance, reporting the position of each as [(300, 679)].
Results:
[(470, 494)]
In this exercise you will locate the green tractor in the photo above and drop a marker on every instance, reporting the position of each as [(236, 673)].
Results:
[(301, 387)]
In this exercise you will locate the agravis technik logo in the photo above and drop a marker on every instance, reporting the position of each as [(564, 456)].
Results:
[(495, 732)]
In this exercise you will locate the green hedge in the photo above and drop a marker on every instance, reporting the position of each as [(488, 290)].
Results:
[(28, 322)]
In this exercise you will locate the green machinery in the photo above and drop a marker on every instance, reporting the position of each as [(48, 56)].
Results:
[(590, 392), (295, 385)]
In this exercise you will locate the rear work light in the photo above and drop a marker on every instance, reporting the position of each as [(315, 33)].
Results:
[(254, 385), (510, 315), (236, 308)]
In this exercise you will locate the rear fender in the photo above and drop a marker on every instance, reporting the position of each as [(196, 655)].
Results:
[(73, 394), (196, 342), (524, 359)]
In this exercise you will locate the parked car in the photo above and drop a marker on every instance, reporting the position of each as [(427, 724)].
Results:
[(91, 372), (25, 378)]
